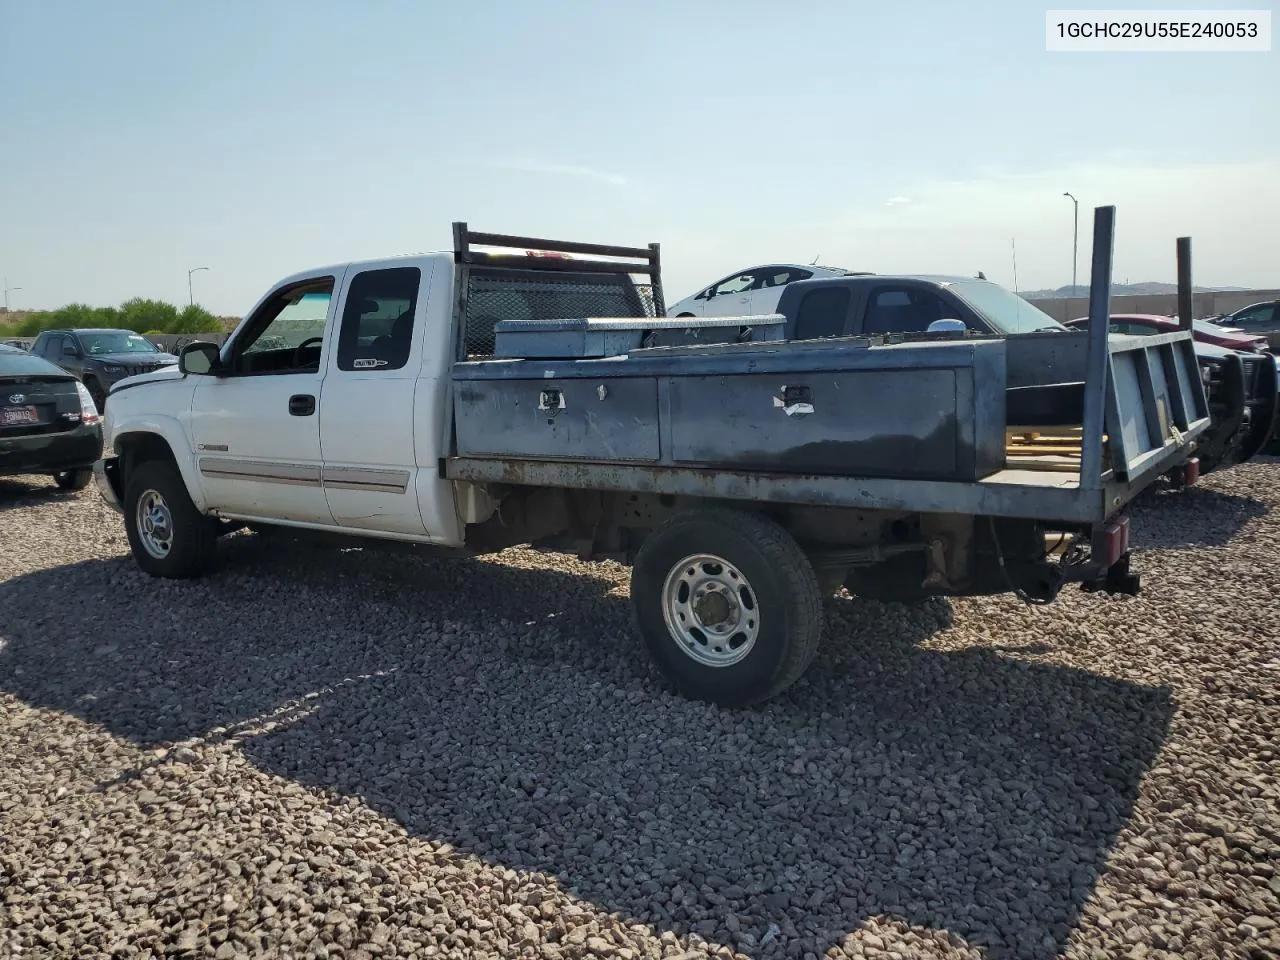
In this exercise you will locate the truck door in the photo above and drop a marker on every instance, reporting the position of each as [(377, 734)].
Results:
[(367, 412), (255, 429)]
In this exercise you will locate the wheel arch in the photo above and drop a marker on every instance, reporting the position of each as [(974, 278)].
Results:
[(159, 438)]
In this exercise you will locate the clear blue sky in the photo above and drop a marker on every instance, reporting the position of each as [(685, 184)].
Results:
[(144, 137)]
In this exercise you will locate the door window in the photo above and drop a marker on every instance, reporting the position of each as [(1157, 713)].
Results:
[(1257, 317), (904, 310), (822, 313), (739, 284), (287, 333), (781, 276), (377, 322)]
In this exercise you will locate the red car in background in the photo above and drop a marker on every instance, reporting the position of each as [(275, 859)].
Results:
[(1202, 330)]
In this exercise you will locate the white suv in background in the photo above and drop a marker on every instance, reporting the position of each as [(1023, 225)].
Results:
[(749, 292)]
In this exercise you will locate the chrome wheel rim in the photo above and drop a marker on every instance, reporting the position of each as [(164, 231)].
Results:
[(155, 525), (710, 610)]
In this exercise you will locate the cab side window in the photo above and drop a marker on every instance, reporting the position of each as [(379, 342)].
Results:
[(1257, 317), (904, 310), (377, 322), (822, 313), (739, 284)]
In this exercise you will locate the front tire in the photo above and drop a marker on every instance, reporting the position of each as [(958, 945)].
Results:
[(73, 479), (728, 605), (169, 537)]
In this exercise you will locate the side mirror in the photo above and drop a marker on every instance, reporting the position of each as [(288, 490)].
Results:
[(947, 326), (200, 358), (69, 350)]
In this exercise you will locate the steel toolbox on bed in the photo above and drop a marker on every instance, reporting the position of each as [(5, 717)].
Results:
[(840, 408)]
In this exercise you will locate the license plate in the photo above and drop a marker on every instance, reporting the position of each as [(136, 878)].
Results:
[(12, 415)]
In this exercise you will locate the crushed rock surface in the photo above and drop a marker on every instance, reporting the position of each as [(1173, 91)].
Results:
[(352, 755)]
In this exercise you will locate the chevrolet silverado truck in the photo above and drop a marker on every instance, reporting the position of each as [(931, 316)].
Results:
[(472, 400)]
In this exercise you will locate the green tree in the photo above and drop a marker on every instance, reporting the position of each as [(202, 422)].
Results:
[(140, 314), (195, 319)]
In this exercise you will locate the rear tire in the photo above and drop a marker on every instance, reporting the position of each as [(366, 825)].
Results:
[(73, 479), (728, 605), (169, 537)]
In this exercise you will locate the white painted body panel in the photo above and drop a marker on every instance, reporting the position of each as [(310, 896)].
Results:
[(242, 425), (385, 422), (249, 417), (158, 404)]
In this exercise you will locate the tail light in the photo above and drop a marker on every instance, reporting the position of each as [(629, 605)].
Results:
[(1114, 541), (1193, 471), (88, 409)]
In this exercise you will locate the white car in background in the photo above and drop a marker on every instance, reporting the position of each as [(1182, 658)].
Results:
[(749, 292)]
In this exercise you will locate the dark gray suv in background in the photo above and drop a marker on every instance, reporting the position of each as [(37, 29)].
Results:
[(101, 357)]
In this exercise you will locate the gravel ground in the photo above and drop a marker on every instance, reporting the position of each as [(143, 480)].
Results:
[(351, 755)]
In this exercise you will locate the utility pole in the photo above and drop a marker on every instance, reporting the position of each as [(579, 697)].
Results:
[(190, 299), (1075, 241)]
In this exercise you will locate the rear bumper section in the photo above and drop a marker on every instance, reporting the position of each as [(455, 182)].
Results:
[(51, 453), (106, 477)]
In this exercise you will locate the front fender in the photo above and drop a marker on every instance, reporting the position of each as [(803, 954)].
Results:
[(171, 431)]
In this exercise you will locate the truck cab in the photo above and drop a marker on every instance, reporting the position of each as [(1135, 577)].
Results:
[(352, 352)]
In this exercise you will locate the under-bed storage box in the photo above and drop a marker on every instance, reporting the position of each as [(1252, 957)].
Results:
[(919, 410)]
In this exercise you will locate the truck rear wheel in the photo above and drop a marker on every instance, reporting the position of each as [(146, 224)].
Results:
[(169, 537), (728, 606)]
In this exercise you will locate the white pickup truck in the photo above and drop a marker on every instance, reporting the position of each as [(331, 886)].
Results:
[(446, 401)]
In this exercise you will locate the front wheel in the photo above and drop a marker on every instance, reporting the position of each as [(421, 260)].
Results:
[(169, 537), (73, 479), (728, 605)]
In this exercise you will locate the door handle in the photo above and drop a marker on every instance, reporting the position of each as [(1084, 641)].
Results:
[(302, 405)]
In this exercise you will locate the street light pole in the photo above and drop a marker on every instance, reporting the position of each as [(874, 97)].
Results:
[(1075, 241), (8, 288), (190, 299)]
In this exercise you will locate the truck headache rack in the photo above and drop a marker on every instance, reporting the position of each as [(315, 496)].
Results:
[(548, 280)]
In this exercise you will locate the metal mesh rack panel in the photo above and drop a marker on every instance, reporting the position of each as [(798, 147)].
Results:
[(528, 295)]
